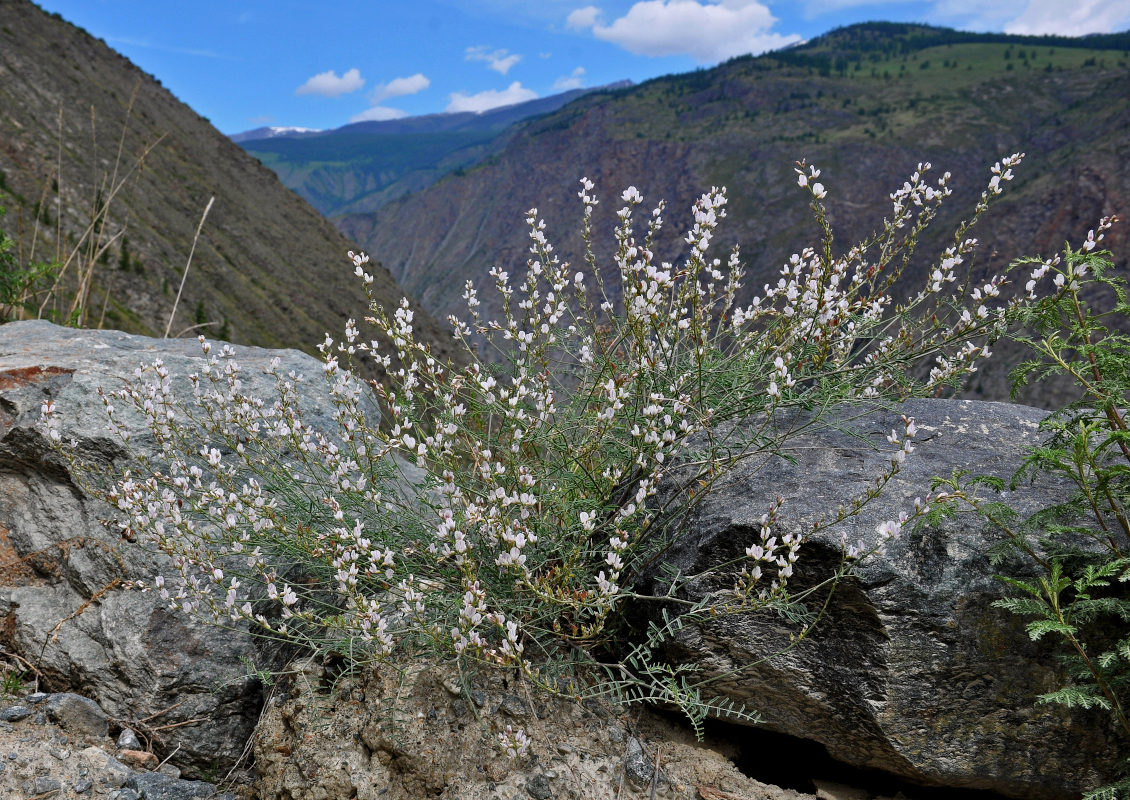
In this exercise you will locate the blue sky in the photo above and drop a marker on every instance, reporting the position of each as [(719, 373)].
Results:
[(246, 63)]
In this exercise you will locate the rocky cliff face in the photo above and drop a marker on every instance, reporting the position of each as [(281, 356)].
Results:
[(268, 269), (912, 670), (65, 560)]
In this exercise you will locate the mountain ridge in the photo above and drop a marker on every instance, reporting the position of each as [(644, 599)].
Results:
[(360, 166), (492, 118)]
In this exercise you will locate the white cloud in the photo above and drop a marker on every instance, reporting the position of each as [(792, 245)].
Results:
[(328, 84), (399, 87), (574, 80), (1071, 19), (378, 114), (708, 31), (582, 18), (491, 98), (499, 60), (1034, 17)]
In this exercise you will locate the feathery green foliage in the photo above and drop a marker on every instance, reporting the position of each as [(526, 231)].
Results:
[(1082, 543)]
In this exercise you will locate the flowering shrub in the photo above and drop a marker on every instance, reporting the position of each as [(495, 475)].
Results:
[(503, 513)]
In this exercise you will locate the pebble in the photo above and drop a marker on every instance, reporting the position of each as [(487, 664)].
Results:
[(538, 787), (44, 786), (77, 714), (127, 740), (138, 759), (514, 706), (638, 766), (157, 786), (15, 713)]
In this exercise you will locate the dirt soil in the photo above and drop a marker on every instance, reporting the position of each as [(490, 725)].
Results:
[(424, 733)]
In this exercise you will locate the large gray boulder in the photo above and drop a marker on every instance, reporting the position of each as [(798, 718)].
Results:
[(60, 605), (911, 670)]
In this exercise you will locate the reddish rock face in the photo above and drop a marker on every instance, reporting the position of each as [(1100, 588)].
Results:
[(19, 378), (27, 376)]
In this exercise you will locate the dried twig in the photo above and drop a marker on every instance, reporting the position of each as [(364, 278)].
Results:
[(188, 263)]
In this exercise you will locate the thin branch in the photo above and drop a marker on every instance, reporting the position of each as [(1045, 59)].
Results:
[(187, 264)]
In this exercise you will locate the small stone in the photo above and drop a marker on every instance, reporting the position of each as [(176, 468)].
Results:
[(452, 688), (169, 769), (44, 787), (78, 714), (478, 697), (127, 740), (124, 794), (95, 756), (514, 706), (138, 759), (83, 785), (538, 788), (37, 697), (639, 768), (15, 713), (115, 774), (155, 786)]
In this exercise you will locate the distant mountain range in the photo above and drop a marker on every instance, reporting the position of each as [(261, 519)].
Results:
[(359, 167), (865, 104), (267, 270), (273, 132)]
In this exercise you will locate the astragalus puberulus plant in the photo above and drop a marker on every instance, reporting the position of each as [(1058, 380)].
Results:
[(502, 512)]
